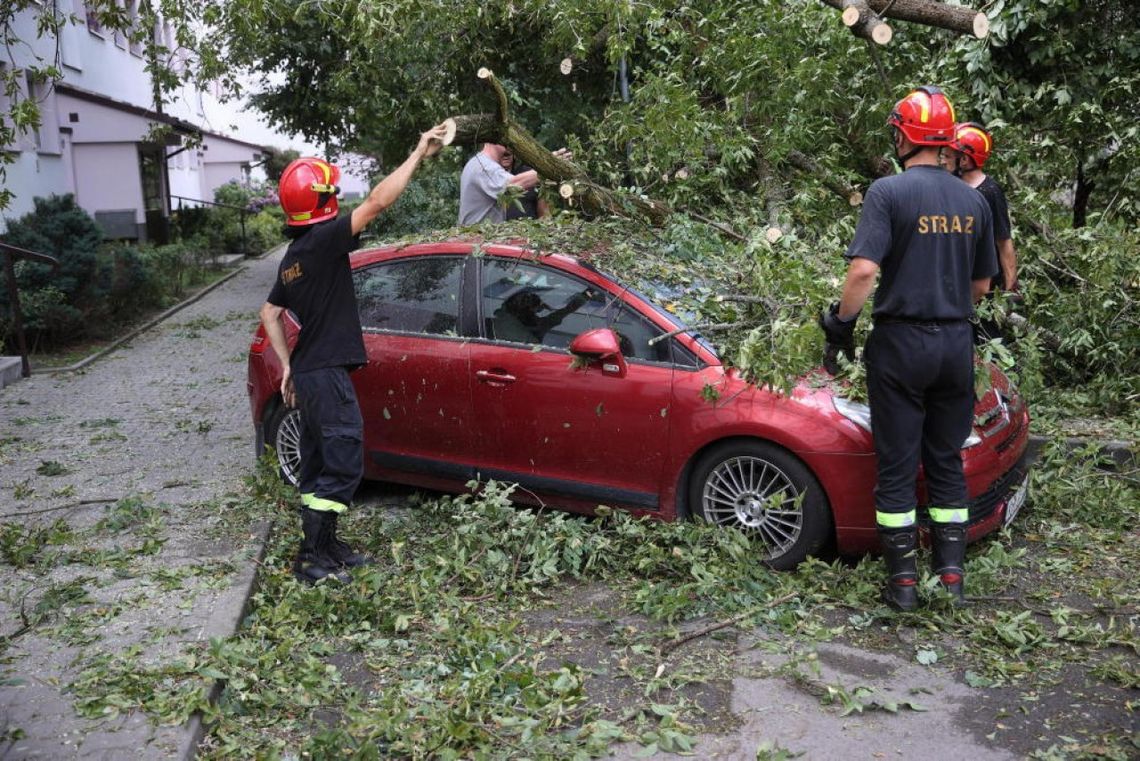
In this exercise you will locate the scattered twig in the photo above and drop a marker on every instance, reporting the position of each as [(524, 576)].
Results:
[(719, 226), (669, 647), (474, 559), (69, 505)]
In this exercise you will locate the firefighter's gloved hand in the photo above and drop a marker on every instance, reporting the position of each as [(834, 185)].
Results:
[(839, 335)]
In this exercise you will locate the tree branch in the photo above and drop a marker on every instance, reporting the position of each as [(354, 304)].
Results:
[(954, 18)]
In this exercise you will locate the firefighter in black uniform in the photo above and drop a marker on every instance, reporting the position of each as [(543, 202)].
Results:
[(315, 281), (930, 238), (967, 154)]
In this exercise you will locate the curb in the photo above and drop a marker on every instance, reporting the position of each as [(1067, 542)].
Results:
[(194, 730), (1122, 454), (137, 331)]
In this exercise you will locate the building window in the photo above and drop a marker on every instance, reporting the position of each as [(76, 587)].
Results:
[(93, 24)]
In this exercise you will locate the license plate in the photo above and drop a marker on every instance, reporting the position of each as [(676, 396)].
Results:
[(1014, 503)]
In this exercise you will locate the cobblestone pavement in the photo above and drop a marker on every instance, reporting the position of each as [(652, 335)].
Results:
[(115, 535)]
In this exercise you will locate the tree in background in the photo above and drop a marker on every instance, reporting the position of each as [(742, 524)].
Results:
[(276, 160)]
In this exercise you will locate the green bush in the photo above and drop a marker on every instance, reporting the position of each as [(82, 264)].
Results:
[(264, 230), (59, 304), (97, 287)]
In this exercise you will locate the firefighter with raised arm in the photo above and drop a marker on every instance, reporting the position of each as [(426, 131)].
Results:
[(314, 280), (928, 238)]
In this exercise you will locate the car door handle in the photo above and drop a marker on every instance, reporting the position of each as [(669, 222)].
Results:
[(495, 376)]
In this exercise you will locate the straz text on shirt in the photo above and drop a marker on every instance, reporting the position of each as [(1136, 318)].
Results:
[(934, 224), (289, 274)]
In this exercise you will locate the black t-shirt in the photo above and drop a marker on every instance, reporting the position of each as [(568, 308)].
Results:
[(315, 282), (528, 201), (931, 234), (994, 196)]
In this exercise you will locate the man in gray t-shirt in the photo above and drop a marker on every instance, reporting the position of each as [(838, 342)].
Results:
[(483, 180)]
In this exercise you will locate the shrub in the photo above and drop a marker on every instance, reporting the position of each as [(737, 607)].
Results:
[(59, 304)]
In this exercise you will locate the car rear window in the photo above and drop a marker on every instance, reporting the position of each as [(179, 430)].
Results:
[(418, 295)]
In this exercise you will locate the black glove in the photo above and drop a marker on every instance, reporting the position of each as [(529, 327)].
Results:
[(839, 335)]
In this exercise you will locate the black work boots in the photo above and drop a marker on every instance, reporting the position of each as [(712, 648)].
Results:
[(948, 548), (899, 549), (948, 557), (340, 552), (322, 554)]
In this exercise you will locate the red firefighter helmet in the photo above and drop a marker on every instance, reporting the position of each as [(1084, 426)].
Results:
[(307, 191), (973, 140), (925, 117)]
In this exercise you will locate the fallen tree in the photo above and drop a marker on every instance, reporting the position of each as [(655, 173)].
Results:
[(865, 17), (574, 185)]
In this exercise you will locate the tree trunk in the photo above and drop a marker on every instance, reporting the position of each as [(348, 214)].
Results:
[(1081, 193), (955, 18)]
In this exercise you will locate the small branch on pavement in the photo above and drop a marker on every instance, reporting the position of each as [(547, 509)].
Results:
[(69, 505), (673, 645)]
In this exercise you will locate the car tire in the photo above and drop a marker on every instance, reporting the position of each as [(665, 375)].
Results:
[(731, 484), (283, 435)]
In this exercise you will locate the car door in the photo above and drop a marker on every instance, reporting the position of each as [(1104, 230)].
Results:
[(414, 391), (596, 432)]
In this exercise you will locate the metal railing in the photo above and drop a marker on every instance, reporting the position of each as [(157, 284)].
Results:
[(242, 213), (11, 253)]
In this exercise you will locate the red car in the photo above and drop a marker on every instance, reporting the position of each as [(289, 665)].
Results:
[(494, 362)]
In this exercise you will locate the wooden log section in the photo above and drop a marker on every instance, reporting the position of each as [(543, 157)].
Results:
[(955, 18), (864, 22)]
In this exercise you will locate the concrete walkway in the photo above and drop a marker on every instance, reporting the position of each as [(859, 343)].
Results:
[(114, 534)]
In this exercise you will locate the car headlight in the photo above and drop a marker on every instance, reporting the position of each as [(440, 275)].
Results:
[(857, 412), (860, 414)]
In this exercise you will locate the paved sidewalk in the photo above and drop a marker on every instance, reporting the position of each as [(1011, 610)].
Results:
[(115, 535)]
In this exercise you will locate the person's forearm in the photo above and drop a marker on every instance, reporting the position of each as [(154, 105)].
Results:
[(276, 334), (857, 287), (525, 180), (1007, 258)]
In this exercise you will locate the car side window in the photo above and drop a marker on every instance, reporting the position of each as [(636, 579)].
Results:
[(419, 295), (536, 305)]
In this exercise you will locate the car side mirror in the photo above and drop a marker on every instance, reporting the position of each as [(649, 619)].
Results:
[(600, 345)]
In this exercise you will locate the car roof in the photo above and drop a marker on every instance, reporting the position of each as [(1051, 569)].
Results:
[(516, 248)]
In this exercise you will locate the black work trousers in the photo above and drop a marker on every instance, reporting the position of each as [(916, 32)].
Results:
[(332, 438), (920, 381)]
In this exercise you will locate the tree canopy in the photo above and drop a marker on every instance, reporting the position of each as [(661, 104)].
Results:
[(754, 115)]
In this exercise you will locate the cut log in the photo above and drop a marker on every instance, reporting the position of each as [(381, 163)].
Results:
[(864, 22), (472, 129), (829, 181), (955, 18)]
